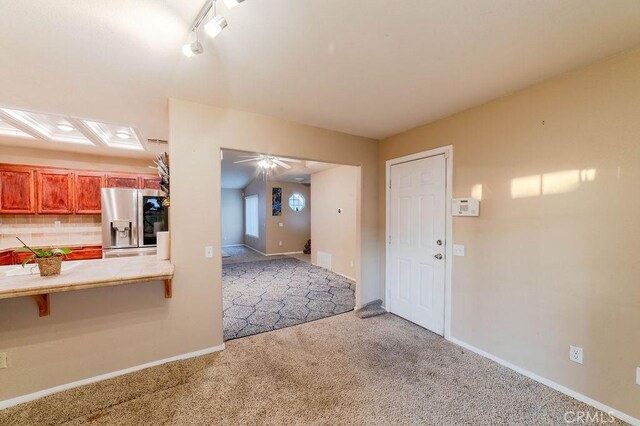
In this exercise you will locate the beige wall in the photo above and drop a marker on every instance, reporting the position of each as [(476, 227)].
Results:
[(232, 216), (296, 229), (333, 232), (258, 187), (553, 258)]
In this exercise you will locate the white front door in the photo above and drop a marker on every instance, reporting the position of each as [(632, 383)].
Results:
[(417, 241)]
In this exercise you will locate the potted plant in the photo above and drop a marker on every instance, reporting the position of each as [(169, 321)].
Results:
[(49, 260)]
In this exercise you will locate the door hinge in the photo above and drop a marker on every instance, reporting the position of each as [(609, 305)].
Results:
[(389, 183), (389, 239)]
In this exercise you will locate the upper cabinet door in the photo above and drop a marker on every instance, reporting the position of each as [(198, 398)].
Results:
[(17, 190), (87, 187), (122, 181), (150, 182), (54, 191)]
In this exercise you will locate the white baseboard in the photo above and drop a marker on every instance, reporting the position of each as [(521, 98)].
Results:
[(284, 254), (37, 395), (337, 273), (272, 254), (232, 245), (256, 250), (553, 385)]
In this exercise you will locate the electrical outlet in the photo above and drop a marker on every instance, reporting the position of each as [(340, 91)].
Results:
[(208, 251), (3, 360), (576, 354), (281, 225), (638, 376), (280, 244)]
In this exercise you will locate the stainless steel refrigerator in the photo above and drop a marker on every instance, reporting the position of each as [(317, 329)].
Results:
[(131, 218)]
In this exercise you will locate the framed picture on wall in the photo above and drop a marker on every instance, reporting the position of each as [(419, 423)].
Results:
[(276, 202)]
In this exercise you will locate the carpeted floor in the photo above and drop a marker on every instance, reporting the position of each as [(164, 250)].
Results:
[(272, 294), (338, 370)]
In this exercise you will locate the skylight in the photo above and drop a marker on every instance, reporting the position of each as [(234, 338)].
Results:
[(51, 127), (115, 136), (59, 128), (7, 129)]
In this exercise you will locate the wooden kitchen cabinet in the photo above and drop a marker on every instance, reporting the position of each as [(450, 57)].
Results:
[(17, 190), (77, 253), (87, 187), (84, 253), (123, 181), (54, 191), (150, 182), (6, 258)]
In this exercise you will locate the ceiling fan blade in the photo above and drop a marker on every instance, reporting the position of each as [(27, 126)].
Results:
[(281, 164), (244, 161), (250, 156), (290, 160)]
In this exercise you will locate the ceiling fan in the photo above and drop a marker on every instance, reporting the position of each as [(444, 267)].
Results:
[(268, 162)]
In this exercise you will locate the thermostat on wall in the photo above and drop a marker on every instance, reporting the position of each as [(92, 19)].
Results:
[(465, 207)]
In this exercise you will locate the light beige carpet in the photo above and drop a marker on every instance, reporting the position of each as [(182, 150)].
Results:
[(338, 370)]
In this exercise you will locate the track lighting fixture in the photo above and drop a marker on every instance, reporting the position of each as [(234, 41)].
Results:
[(192, 49), (213, 27)]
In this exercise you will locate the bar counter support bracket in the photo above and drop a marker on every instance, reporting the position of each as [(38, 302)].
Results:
[(43, 304)]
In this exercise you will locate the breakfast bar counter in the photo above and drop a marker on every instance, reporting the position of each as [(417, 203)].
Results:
[(16, 281)]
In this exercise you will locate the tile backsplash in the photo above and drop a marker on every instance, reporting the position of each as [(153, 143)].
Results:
[(50, 230)]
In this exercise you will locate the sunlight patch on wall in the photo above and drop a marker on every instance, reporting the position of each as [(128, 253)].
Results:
[(550, 183), (527, 186), (476, 191)]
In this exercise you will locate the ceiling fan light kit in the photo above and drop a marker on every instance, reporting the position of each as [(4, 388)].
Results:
[(268, 163), (213, 27)]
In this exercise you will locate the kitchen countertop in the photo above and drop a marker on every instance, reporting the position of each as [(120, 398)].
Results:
[(83, 274)]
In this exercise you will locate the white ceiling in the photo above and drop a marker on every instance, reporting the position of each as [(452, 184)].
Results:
[(371, 68), (238, 176)]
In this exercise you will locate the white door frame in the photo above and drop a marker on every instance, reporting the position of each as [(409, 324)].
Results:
[(447, 151)]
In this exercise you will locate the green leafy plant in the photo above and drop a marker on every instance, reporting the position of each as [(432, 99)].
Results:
[(41, 253)]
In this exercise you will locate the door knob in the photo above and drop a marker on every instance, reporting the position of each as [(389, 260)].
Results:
[(438, 256)]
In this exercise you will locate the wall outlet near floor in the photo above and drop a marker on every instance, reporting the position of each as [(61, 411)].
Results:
[(638, 376), (3, 360), (576, 354), (208, 251), (280, 244)]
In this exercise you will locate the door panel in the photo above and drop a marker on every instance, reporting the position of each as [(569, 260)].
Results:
[(115, 181), (54, 191), (17, 191), (150, 182), (417, 222), (87, 192)]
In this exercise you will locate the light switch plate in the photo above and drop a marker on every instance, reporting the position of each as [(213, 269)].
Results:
[(638, 376), (3, 360), (208, 251), (281, 225), (458, 250)]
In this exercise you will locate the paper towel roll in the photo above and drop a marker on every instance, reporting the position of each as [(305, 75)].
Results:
[(163, 245)]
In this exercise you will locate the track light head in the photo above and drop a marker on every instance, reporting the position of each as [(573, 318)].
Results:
[(215, 26), (230, 4), (192, 49)]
